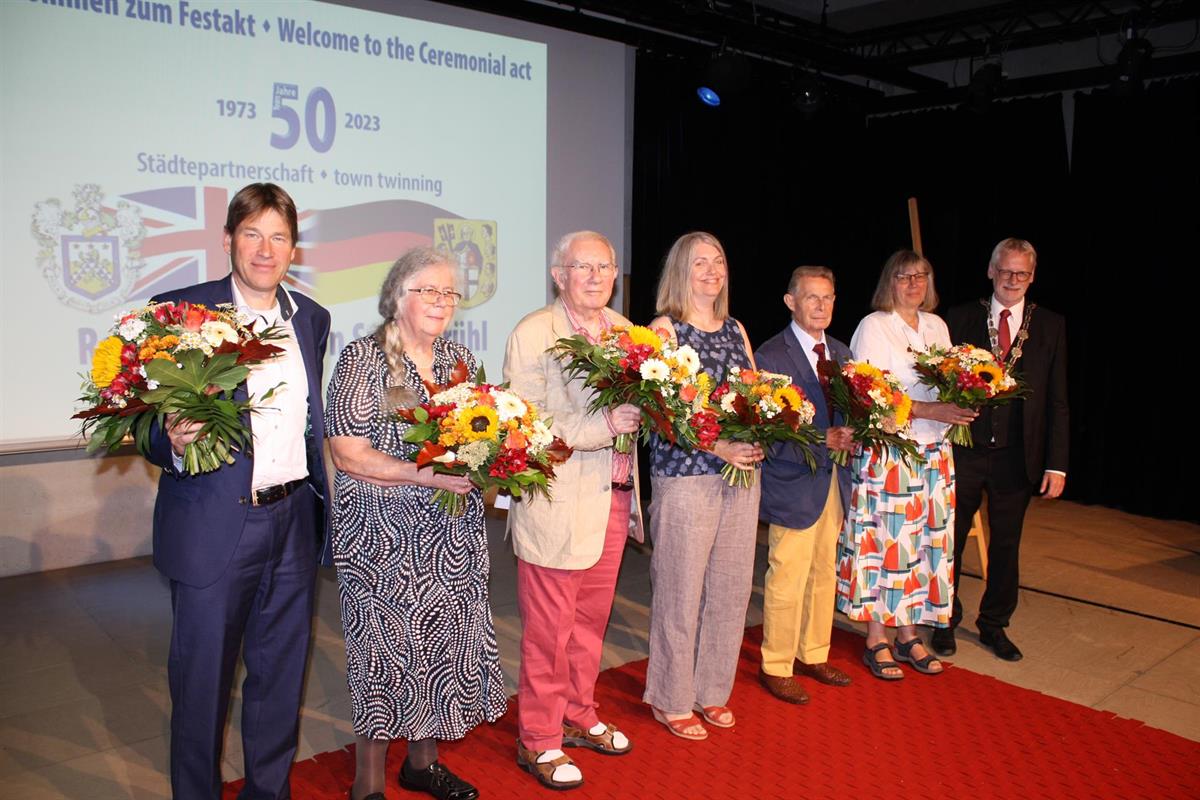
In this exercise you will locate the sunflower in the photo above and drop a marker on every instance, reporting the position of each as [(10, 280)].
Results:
[(988, 373), (106, 361), (640, 334), (903, 409), (478, 423), (788, 397), (863, 368)]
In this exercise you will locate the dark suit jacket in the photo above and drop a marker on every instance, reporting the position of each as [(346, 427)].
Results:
[(198, 519), (793, 495), (1043, 368)]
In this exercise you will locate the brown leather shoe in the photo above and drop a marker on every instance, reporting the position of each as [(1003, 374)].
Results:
[(823, 673), (788, 690)]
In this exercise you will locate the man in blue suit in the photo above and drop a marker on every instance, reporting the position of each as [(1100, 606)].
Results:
[(241, 545), (805, 508)]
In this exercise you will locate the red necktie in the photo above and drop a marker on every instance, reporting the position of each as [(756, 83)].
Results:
[(1004, 337), (819, 349)]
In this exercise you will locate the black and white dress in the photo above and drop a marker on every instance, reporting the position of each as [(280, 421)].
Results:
[(421, 654)]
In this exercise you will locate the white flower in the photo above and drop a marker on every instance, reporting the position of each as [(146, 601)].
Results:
[(768, 407), (474, 454), (727, 401), (151, 384), (457, 396), (775, 377), (216, 332), (688, 358), (509, 406), (980, 355), (540, 435), (447, 457), (131, 329), (654, 369), (879, 397)]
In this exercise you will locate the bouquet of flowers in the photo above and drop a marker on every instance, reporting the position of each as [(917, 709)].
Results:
[(763, 408), (182, 359), (486, 433), (639, 366), (875, 405), (967, 376)]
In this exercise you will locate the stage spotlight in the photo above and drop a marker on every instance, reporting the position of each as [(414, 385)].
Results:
[(808, 95), (1132, 64), (725, 74), (983, 88)]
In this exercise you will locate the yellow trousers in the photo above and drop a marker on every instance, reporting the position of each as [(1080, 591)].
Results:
[(800, 589)]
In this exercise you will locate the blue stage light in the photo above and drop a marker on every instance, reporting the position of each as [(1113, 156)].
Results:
[(708, 96)]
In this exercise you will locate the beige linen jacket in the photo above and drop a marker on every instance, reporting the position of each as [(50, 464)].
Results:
[(566, 531)]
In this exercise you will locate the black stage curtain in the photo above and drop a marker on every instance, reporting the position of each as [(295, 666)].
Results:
[(1131, 312), (780, 189)]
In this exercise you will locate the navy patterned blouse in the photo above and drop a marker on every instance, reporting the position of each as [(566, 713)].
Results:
[(720, 351)]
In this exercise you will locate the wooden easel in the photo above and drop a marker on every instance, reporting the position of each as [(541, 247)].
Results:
[(978, 530)]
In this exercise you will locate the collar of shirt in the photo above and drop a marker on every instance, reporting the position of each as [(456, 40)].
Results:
[(579, 328), (269, 316), (1014, 322), (807, 343)]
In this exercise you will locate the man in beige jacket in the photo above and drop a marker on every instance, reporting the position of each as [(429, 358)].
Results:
[(569, 547)]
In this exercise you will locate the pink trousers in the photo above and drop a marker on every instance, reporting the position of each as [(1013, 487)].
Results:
[(563, 616)]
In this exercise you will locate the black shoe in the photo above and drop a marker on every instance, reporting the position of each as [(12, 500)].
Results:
[(437, 781), (1001, 645), (943, 642)]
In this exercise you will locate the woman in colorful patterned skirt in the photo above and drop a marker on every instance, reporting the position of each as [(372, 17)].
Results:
[(896, 560), (421, 655), (703, 529)]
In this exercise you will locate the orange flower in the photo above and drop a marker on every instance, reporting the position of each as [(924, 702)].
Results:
[(748, 376), (687, 392), (516, 440)]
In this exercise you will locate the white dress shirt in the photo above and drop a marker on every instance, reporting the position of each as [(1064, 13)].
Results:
[(808, 343), (279, 422), (1017, 311), (883, 338)]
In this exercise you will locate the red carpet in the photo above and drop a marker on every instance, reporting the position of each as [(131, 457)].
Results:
[(958, 735)]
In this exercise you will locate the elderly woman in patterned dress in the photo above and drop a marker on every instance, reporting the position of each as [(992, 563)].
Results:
[(422, 660), (896, 560), (703, 529)]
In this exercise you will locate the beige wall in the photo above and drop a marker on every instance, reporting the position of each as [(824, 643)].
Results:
[(62, 509)]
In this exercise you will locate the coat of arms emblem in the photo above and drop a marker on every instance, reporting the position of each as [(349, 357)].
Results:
[(473, 245), (89, 254)]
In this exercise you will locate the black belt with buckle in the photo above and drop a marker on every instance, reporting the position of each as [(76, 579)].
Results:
[(627, 486), (273, 494)]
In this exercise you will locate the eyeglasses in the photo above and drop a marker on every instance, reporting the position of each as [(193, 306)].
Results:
[(1014, 275), (430, 296), (910, 278), (604, 269)]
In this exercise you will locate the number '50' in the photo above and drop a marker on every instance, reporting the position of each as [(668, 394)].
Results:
[(320, 118)]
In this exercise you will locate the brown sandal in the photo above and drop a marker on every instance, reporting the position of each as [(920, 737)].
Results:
[(528, 761), (601, 742)]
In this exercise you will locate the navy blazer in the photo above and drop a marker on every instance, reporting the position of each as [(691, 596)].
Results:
[(198, 519), (793, 495)]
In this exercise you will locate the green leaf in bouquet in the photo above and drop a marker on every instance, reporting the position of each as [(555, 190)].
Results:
[(421, 414)]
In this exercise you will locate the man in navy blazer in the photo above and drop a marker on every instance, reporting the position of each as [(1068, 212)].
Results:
[(805, 507), (241, 545)]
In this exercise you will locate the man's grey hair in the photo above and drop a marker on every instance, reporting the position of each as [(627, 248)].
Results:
[(1013, 245), (800, 273), (567, 240)]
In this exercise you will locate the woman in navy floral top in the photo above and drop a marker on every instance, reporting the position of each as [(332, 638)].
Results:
[(703, 529)]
